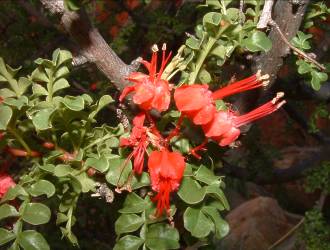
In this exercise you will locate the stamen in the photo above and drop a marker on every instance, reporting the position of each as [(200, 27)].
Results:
[(154, 48), (164, 46)]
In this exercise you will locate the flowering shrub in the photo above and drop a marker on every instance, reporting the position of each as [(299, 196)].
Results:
[(65, 149)]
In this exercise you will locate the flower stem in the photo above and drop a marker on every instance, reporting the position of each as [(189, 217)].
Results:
[(205, 52), (20, 139)]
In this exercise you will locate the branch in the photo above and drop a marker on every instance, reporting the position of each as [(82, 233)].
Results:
[(91, 43), (288, 17), (298, 51), (266, 14)]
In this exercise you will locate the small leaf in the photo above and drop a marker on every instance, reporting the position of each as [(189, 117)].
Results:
[(60, 84), (14, 192), (41, 120), (61, 56), (101, 164), (190, 191), (258, 41), (42, 187), (193, 43), (39, 75), (7, 210), (196, 222), (204, 76), (205, 175), (217, 192), (5, 116), (105, 100), (62, 170), (36, 213), (133, 204), (75, 103), (221, 226), (129, 242), (38, 90), (304, 67), (127, 223), (6, 236), (213, 18), (32, 240), (119, 170), (317, 79), (161, 237)]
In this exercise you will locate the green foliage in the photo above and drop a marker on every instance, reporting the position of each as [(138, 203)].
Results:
[(321, 111), (315, 11), (316, 231), (319, 178)]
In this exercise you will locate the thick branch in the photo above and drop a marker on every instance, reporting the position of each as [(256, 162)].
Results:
[(91, 43), (266, 14), (288, 17)]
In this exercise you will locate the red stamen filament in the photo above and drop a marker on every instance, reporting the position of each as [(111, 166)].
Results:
[(163, 197), (262, 111), (251, 82)]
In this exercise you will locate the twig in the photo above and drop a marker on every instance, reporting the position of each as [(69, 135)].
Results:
[(266, 14), (287, 234), (298, 51), (79, 60)]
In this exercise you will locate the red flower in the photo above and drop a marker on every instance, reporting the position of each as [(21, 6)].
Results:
[(6, 182), (151, 92), (224, 128), (166, 171), (197, 102), (139, 141)]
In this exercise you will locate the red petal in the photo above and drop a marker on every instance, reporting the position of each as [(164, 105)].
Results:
[(125, 92), (205, 115), (229, 137), (137, 77), (221, 123), (192, 97), (162, 96), (143, 93)]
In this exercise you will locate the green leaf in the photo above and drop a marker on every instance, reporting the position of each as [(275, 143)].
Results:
[(6, 236), (317, 79), (101, 164), (129, 242), (215, 4), (72, 5), (300, 41), (205, 175), (217, 193), (32, 240), (139, 181), (17, 102), (75, 103), (60, 84), (42, 119), (87, 184), (204, 76), (39, 90), (133, 204), (35, 213), (190, 191), (213, 18), (221, 226), (5, 116), (119, 170), (127, 223), (258, 41), (61, 218), (196, 222), (7, 210), (14, 192), (61, 56), (47, 167), (62, 170), (23, 84), (104, 101), (304, 67), (42, 187), (219, 51), (39, 75), (162, 236), (61, 72), (193, 43)]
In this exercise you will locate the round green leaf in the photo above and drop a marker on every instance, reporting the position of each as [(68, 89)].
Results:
[(133, 204), (100, 164), (196, 222), (218, 193), (62, 170), (7, 210), (14, 192), (41, 120), (162, 236), (258, 41), (128, 223), (129, 242), (221, 226), (42, 187), (205, 175), (139, 181), (60, 84), (75, 103), (36, 213), (190, 191), (119, 169), (6, 236), (32, 240), (5, 116)]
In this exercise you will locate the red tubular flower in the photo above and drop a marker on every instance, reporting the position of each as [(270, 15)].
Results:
[(166, 171), (6, 182), (151, 92), (197, 102), (139, 141), (224, 128)]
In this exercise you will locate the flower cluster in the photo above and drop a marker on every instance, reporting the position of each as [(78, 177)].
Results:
[(195, 102)]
